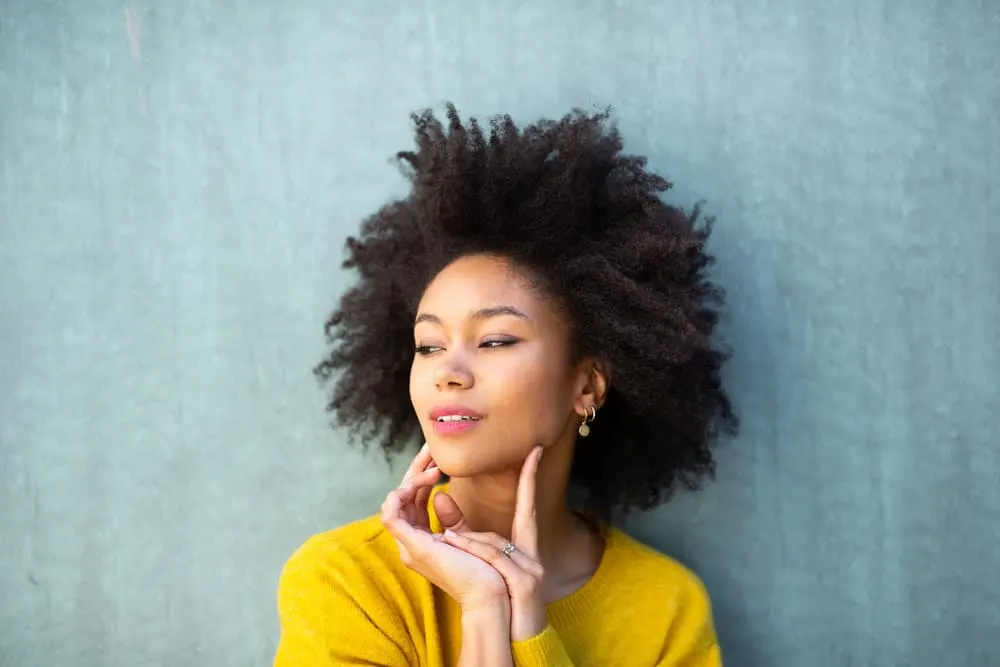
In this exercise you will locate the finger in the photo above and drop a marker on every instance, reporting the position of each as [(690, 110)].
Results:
[(525, 530), (389, 514), (420, 507), (499, 542), (413, 544), (408, 538), (392, 506), (423, 478), (399, 503), (414, 508), (449, 513), (520, 582), (419, 463)]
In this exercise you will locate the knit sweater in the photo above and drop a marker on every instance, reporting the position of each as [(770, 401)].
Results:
[(345, 598)]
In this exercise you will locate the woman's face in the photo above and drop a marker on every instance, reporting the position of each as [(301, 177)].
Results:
[(492, 375)]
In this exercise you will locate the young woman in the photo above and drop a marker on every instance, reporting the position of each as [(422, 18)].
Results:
[(531, 295)]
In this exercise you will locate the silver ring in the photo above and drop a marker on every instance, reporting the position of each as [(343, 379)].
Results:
[(509, 549)]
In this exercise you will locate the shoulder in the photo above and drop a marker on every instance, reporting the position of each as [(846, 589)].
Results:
[(339, 543), (642, 563), (359, 560), (353, 563), (344, 589), (664, 589)]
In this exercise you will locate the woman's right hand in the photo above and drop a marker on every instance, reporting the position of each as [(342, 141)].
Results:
[(473, 583)]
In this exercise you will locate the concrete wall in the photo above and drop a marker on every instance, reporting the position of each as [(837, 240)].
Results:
[(176, 180)]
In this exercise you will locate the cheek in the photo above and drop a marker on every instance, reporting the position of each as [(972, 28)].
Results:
[(537, 394), (418, 384)]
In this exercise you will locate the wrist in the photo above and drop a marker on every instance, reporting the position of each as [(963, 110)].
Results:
[(489, 615), (527, 620), (486, 636)]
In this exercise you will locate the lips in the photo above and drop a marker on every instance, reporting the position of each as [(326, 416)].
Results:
[(454, 419), (454, 413)]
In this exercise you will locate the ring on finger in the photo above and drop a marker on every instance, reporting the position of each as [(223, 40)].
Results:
[(508, 549)]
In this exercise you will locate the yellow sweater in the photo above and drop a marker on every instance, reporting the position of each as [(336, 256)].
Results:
[(345, 598)]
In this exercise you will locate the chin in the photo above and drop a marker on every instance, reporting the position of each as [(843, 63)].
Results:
[(452, 462), (465, 459)]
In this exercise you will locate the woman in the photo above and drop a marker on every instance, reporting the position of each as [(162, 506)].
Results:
[(531, 295)]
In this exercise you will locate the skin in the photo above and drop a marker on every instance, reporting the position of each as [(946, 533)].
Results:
[(486, 339)]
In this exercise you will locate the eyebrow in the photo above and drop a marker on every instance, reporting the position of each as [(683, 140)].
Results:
[(481, 314)]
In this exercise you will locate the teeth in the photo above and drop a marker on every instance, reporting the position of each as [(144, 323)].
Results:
[(456, 418)]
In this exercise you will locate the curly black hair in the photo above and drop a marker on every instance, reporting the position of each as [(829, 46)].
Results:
[(561, 202)]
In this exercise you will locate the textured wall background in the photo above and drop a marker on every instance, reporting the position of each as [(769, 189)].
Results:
[(176, 180)]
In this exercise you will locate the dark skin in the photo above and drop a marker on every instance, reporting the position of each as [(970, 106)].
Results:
[(490, 344)]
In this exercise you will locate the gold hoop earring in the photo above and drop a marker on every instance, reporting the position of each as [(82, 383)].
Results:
[(584, 429)]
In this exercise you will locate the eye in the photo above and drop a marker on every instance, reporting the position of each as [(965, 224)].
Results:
[(424, 350), (498, 342)]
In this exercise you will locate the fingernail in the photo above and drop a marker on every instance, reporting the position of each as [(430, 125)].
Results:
[(541, 450), (448, 533)]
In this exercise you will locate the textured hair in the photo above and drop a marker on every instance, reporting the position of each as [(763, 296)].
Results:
[(584, 222)]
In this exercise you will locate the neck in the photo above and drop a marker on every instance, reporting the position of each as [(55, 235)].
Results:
[(567, 549), (488, 502)]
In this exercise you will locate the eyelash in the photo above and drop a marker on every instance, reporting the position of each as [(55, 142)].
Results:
[(424, 350)]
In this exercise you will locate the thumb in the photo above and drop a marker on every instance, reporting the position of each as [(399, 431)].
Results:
[(448, 513)]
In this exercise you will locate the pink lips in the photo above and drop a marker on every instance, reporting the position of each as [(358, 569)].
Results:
[(451, 426)]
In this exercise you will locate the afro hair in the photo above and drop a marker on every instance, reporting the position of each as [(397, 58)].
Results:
[(584, 221)]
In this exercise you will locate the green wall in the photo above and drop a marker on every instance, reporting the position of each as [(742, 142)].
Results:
[(177, 179)]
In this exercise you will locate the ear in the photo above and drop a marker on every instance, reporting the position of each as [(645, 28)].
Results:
[(594, 378)]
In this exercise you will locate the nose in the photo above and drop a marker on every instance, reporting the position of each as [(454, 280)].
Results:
[(453, 374)]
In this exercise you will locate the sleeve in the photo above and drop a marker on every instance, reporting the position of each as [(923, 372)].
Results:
[(543, 650), (323, 624), (691, 641)]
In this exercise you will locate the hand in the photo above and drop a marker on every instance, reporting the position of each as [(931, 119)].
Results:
[(521, 570), (470, 581)]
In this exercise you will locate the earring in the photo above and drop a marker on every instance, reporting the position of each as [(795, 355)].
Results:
[(584, 429)]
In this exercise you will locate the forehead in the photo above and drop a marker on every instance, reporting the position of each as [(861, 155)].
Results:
[(479, 281)]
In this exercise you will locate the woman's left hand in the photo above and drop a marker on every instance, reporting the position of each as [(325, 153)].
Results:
[(521, 569)]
